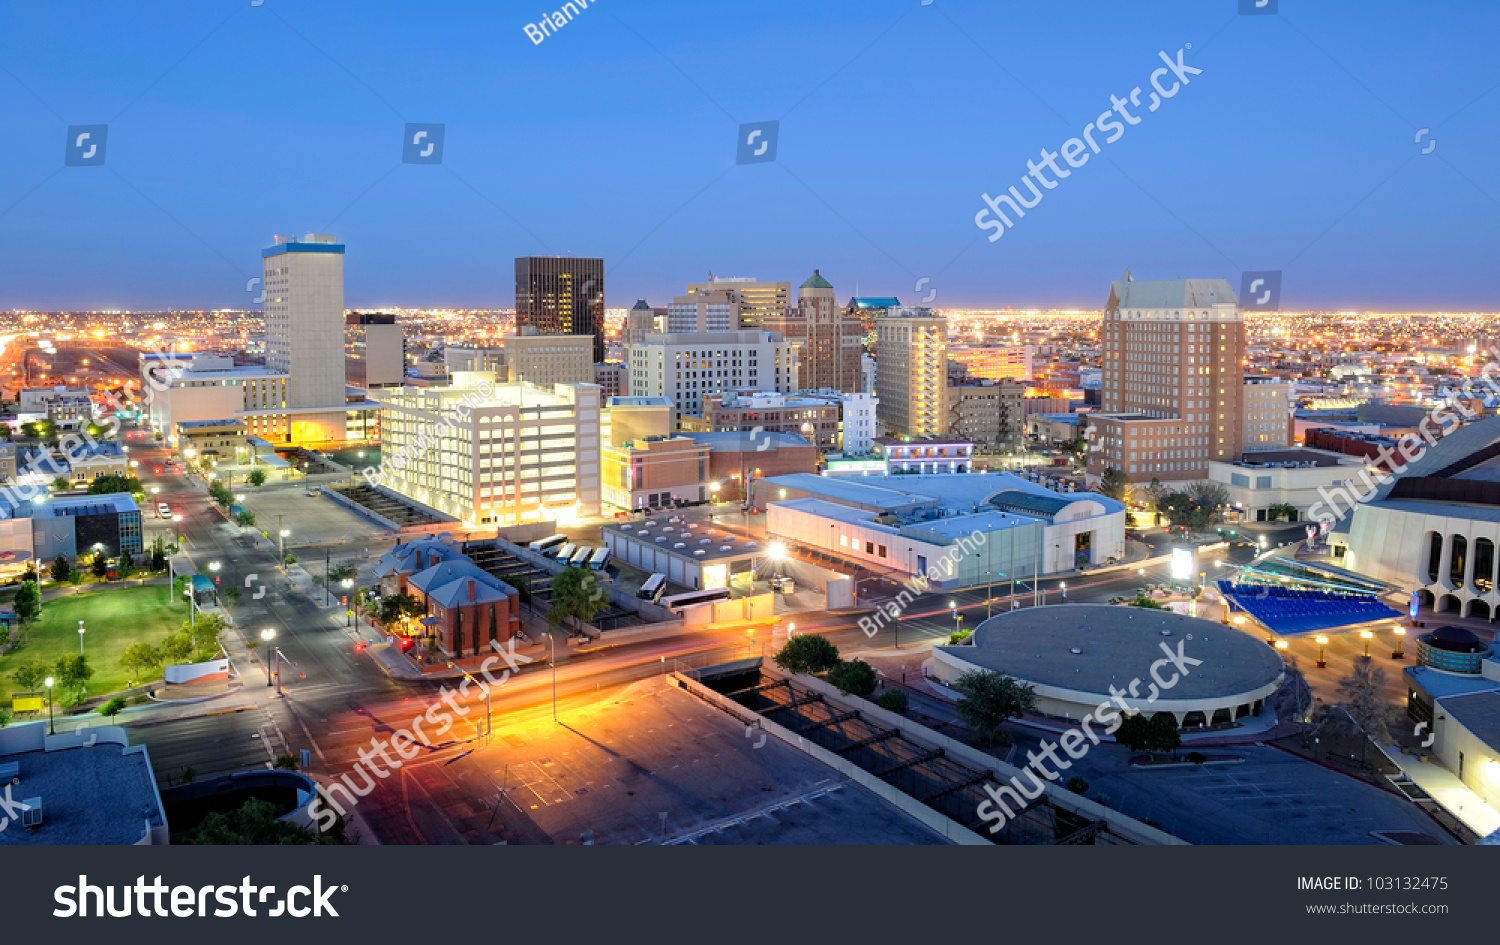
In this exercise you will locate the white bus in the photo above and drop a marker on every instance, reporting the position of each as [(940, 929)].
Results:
[(679, 601), (542, 546), (580, 557), (566, 552), (652, 588), (598, 559)]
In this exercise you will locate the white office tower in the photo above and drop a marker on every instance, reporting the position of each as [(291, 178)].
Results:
[(304, 286)]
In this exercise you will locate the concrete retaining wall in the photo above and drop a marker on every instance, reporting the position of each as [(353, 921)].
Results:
[(188, 672), (944, 826)]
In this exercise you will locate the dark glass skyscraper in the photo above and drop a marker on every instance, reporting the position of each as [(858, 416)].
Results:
[(560, 295)]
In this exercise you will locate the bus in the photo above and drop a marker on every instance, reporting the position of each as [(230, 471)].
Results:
[(598, 559), (566, 552), (544, 545), (679, 601), (652, 588), (580, 557)]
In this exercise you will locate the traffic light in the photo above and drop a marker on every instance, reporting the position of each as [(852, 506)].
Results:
[(344, 600)]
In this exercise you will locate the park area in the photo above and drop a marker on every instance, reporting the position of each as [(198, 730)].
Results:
[(113, 619)]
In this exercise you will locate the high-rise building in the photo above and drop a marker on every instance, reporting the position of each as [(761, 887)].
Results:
[(1268, 419), (685, 368), (304, 287), (640, 321), (993, 362), (560, 295), (703, 310), (522, 454), (1173, 381), (830, 339), (756, 300), (538, 359), (374, 350), (988, 413), (911, 365)]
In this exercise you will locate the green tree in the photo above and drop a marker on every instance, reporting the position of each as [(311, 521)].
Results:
[(1113, 484), (341, 572), (1146, 602), (177, 648), (287, 762), (27, 602), (1078, 785), (113, 707), (75, 576), (393, 607), (219, 493), (853, 677), (1152, 497), (61, 484), (158, 556), (257, 477), (232, 595), (255, 823), (1211, 497), (59, 569), (141, 659), (100, 567), (72, 672), (29, 675), (1183, 511), (987, 699), (1281, 510), (894, 700), (245, 518), (204, 631), (1151, 735), (105, 485), (808, 653), (577, 597)]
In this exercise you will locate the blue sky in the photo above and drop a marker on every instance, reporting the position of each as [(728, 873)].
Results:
[(1294, 149)]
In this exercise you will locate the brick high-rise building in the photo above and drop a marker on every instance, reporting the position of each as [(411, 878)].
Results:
[(560, 295), (1173, 380), (830, 338)]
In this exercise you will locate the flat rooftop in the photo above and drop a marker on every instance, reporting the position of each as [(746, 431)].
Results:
[(103, 793), (1316, 457), (693, 537), (1479, 712), (1117, 644)]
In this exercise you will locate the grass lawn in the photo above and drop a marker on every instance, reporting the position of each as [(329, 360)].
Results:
[(114, 619)]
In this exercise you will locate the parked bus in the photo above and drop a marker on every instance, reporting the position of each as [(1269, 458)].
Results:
[(651, 590), (598, 559), (679, 601), (566, 552), (580, 557), (544, 545)]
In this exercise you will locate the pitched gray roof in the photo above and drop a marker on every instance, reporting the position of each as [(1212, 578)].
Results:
[(1174, 293)]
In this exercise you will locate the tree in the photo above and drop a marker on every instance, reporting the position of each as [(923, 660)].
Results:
[(287, 762), (140, 659), (232, 595), (219, 493), (393, 607), (75, 576), (1145, 602), (30, 675), (255, 823), (60, 568), (204, 631), (808, 653), (158, 556), (521, 583), (894, 700), (1281, 510), (1210, 496), (1113, 484), (342, 572), (257, 477), (177, 648), (576, 596), (27, 602), (100, 567), (113, 707), (245, 518), (105, 485), (1364, 702), (61, 484), (1078, 785), (1299, 697), (1152, 496), (1151, 735), (854, 677), (987, 699), (72, 672), (1182, 511)]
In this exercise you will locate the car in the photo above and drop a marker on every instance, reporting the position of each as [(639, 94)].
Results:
[(163, 509), (158, 470)]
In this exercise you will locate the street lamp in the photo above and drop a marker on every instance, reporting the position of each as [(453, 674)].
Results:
[(1064, 586), (1366, 634), (268, 635), (776, 551), (281, 544), (957, 617), (51, 730), (1322, 642), (80, 638), (1400, 639), (1281, 645)]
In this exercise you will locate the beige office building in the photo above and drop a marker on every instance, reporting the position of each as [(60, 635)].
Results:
[(911, 371), (755, 300), (542, 360), (989, 414), (304, 306)]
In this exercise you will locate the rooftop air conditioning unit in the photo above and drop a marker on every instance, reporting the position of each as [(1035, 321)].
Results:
[(32, 815)]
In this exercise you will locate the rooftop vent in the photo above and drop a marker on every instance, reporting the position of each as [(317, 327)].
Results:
[(32, 815), (1076, 651), (726, 547), (661, 537), (680, 544), (699, 551)]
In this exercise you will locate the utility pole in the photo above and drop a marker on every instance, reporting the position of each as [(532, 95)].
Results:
[(327, 594)]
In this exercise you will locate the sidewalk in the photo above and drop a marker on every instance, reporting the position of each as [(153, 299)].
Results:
[(1444, 786)]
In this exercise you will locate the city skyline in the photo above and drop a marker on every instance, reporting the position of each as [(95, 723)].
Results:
[(1316, 141)]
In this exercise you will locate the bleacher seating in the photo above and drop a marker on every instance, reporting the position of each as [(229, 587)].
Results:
[(1292, 611)]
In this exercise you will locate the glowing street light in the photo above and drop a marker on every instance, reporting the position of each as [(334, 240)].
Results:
[(268, 635), (51, 730), (1366, 634), (1322, 642), (1400, 639)]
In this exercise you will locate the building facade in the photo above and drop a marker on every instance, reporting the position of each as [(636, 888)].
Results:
[(829, 339), (754, 300), (993, 362), (511, 453), (911, 377), (538, 359), (562, 296), (929, 455), (1267, 403), (374, 350), (304, 288), (686, 368), (987, 413), (655, 473)]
